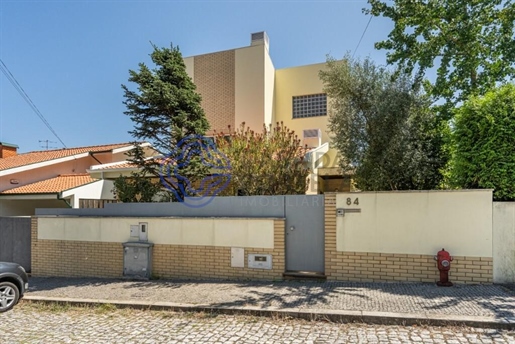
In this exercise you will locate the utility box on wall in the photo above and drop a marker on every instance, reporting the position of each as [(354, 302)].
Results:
[(237, 257), (139, 231), (137, 259), (260, 261)]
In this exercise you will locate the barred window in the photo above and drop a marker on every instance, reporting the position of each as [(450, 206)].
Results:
[(312, 105)]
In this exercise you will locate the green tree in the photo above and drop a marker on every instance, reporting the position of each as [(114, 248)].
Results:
[(267, 163), (484, 144), (166, 112), (382, 127), (136, 188), (470, 43)]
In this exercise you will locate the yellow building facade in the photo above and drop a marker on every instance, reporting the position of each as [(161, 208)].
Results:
[(242, 85)]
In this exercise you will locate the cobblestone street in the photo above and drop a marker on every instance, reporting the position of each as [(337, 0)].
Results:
[(37, 323)]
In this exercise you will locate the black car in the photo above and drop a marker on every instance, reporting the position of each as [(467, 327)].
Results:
[(13, 284)]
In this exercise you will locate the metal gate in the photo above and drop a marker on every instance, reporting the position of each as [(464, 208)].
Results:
[(15, 240), (304, 233)]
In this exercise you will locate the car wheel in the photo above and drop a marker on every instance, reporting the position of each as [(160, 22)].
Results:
[(9, 296)]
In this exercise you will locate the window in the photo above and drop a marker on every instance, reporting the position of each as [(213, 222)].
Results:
[(312, 105)]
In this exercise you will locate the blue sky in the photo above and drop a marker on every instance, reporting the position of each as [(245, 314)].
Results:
[(72, 56)]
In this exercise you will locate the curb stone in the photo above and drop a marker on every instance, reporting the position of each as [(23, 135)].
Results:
[(367, 317)]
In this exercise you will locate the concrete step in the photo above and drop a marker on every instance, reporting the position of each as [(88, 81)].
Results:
[(304, 275)]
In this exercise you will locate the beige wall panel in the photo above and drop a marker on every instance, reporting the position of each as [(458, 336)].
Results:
[(112, 229), (250, 87), (197, 232), (231, 233), (89, 229), (417, 223), (189, 62), (298, 81), (257, 233), (260, 235), (51, 228), (214, 76), (165, 231)]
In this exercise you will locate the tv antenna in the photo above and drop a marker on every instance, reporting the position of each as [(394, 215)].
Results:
[(46, 144)]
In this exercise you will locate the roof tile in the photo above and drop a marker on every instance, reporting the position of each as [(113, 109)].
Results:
[(40, 156), (57, 184), (114, 166)]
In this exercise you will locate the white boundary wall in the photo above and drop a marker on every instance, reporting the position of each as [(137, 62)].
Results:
[(504, 242), (416, 222)]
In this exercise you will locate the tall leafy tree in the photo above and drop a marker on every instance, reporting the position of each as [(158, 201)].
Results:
[(136, 188), (165, 109), (382, 127), (484, 144), (471, 43), (267, 163)]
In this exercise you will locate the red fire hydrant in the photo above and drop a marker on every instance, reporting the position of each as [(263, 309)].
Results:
[(444, 260)]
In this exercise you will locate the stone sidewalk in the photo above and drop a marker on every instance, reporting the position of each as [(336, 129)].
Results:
[(393, 303)]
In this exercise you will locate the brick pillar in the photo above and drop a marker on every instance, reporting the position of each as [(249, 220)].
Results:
[(330, 233)]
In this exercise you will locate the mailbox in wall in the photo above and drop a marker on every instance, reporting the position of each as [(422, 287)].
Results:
[(260, 261)]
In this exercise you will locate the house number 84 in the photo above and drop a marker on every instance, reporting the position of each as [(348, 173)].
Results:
[(349, 201)]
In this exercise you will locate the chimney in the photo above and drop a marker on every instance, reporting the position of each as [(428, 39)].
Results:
[(259, 38), (7, 150)]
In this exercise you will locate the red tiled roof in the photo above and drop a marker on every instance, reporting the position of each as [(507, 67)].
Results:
[(112, 166), (60, 183), (125, 165), (40, 156)]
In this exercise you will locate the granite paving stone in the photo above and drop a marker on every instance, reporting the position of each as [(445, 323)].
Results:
[(413, 298)]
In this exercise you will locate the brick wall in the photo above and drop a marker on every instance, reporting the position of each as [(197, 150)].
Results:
[(214, 76), (379, 267), (75, 258), (85, 258), (215, 262)]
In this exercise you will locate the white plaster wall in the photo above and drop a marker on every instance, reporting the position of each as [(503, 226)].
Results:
[(250, 87), (100, 189), (107, 189), (504, 242), (256, 233), (417, 222)]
